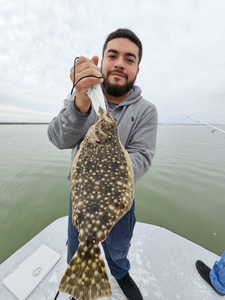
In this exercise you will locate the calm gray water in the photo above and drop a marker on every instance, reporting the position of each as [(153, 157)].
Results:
[(184, 190)]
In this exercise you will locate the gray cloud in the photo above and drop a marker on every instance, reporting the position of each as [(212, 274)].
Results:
[(183, 65)]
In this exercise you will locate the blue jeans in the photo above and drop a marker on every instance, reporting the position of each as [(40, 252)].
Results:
[(116, 245), (217, 275)]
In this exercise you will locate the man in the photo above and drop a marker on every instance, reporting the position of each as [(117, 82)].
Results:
[(137, 124), (215, 277)]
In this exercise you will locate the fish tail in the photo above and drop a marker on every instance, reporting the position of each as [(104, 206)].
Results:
[(86, 276)]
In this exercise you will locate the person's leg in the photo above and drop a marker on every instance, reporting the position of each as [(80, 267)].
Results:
[(116, 247), (73, 233), (217, 275), (117, 260), (117, 244)]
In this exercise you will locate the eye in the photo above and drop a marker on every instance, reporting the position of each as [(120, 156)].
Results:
[(110, 120), (111, 56), (130, 60)]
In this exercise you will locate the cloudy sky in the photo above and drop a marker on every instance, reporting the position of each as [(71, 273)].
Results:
[(183, 64)]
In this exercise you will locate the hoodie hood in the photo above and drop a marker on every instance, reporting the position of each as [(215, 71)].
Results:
[(135, 95)]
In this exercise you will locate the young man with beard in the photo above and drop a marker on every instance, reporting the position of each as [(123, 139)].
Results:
[(137, 124)]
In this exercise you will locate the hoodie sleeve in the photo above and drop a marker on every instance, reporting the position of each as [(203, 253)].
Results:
[(142, 143), (67, 129)]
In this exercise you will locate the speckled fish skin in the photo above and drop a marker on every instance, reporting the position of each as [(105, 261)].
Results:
[(102, 191)]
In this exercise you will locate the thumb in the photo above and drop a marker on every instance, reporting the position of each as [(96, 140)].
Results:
[(95, 59)]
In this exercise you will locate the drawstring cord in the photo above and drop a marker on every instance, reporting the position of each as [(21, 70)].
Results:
[(74, 84)]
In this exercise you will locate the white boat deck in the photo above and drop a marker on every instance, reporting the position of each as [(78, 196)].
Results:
[(162, 264)]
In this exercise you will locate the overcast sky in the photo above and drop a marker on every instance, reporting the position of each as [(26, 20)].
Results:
[(183, 64)]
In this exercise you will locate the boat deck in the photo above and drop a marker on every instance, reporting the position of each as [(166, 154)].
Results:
[(162, 264)]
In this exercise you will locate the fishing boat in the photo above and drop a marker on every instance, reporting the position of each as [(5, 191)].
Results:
[(162, 264)]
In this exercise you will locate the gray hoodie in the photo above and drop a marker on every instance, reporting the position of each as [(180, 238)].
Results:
[(137, 123)]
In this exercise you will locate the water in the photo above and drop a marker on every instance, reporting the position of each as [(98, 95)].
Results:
[(183, 191)]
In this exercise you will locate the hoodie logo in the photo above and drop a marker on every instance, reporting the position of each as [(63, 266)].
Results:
[(132, 119)]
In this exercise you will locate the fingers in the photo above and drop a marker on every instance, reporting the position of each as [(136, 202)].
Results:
[(84, 64), (86, 67), (95, 59)]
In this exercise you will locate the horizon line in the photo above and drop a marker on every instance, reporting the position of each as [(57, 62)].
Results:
[(46, 123)]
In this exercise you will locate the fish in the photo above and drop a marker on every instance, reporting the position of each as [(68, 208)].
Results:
[(102, 191)]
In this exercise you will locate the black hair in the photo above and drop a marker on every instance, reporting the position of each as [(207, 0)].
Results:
[(126, 34)]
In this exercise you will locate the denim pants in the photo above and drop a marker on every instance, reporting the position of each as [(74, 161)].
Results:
[(217, 275), (116, 245)]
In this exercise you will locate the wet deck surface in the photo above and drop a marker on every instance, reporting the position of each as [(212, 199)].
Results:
[(162, 264)]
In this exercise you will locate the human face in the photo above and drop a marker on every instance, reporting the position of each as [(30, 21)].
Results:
[(120, 66)]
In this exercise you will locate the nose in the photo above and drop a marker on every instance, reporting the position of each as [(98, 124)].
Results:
[(119, 64)]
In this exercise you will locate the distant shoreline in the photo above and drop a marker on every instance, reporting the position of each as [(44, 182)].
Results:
[(22, 123), (199, 124), (39, 123)]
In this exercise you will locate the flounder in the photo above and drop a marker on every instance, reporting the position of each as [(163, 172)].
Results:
[(102, 191)]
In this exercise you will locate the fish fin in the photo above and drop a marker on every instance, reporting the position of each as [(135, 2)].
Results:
[(86, 276), (103, 235)]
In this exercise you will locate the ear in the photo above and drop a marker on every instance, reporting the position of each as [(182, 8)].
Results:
[(138, 70), (101, 65)]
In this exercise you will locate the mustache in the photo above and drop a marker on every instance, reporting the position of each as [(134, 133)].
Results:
[(118, 71)]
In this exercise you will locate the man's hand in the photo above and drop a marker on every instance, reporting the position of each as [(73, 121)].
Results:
[(85, 67)]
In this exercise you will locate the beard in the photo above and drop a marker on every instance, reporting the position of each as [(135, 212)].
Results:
[(117, 90)]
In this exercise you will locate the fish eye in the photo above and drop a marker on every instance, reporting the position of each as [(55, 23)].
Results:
[(109, 120)]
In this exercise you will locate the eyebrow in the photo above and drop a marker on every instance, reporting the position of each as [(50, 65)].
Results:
[(126, 54)]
